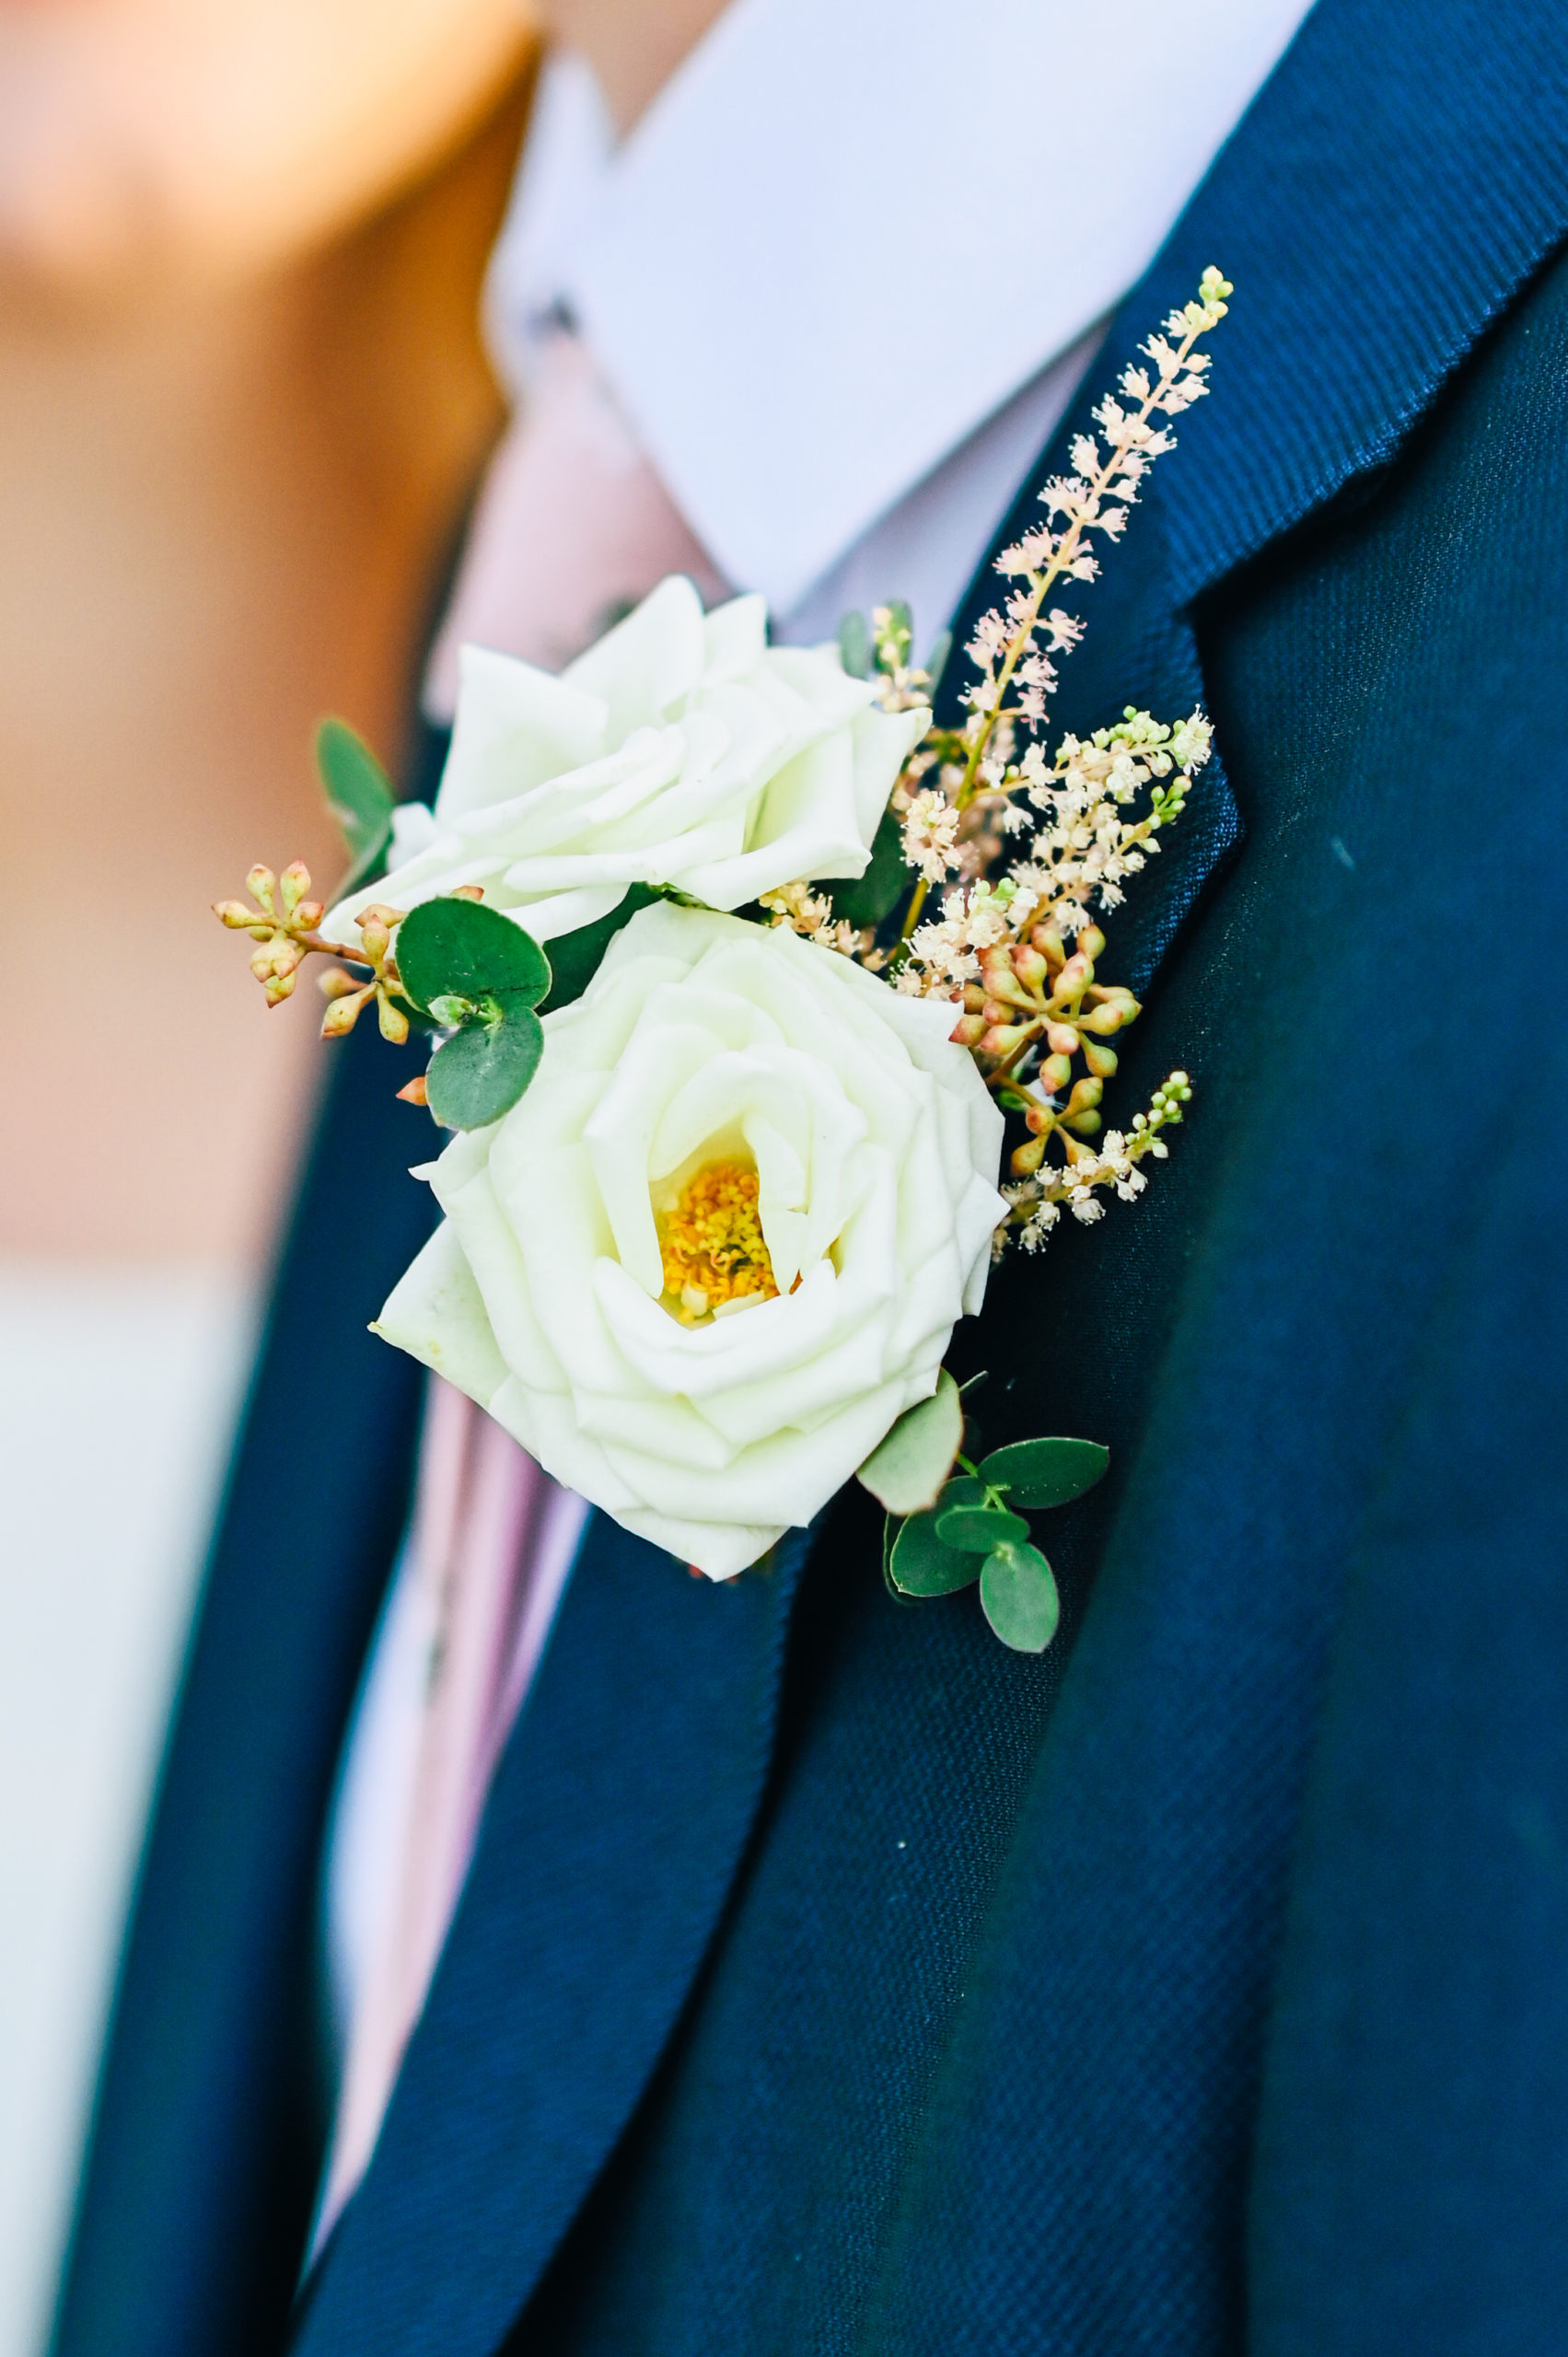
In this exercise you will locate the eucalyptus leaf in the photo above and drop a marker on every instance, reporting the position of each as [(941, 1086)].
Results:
[(480, 1074), (907, 1468), (359, 796), (936, 661), (854, 645), (1017, 1594), (918, 1563), (977, 1529), (575, 957), (1038, 1473), (867, 898), (890, 1529), (452, 949)]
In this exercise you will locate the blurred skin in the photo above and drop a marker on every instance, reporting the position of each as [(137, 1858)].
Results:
[(633, 46), (242, 405)]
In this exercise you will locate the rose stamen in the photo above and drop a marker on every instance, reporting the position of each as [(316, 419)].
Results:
[(711, 1244)]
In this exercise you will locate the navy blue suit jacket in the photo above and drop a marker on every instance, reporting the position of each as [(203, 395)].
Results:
[(830, 1979)]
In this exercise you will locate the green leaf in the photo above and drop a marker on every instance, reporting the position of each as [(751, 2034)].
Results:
[(919, 1564), (907, 1468), (978, 1528), (890, 1529), (359, 795), (1046, 1472), (480, 1074), (854, 645), (1017, 1594), (451, 949), (936, 661), (575, 957), (867, 899)]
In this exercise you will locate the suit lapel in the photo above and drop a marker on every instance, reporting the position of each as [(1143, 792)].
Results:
[(615, 1827), (1380, 205), (206, 2140)]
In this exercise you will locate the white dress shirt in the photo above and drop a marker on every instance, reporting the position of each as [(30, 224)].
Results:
[(846, 272)]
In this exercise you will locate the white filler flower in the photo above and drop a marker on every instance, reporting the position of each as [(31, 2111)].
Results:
[(680, 749), (720, 1245)]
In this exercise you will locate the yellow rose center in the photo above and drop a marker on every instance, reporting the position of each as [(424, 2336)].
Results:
[(712, 1244)]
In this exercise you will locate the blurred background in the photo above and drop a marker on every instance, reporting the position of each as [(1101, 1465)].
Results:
[(243, 406)]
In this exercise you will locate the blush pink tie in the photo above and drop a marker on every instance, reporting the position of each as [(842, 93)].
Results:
[(572, 525)]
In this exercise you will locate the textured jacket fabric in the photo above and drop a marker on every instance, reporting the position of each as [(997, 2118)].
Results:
[(830, 1979)]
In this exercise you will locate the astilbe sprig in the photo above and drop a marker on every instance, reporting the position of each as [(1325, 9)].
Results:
[(1029, 851)]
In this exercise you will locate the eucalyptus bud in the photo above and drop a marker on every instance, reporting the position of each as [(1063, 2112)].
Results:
[(394, 1022), (968, 1031), (415, 1092), (1102, 1021), (1061, 1040), (1091, 942), (1056, 1072), (1031, 968), (295, 882), (1026, 1158), (1085, 1095), (262, 884), (1102, 1061), (342, 1015)]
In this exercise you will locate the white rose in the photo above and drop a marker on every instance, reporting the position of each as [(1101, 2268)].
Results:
[(680, 749), (706, 1045)]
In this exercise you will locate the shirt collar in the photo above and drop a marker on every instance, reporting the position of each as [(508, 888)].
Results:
[(761, 265)]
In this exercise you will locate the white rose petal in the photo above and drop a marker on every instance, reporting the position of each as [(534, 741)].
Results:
[(681, 749), (875, 1145)]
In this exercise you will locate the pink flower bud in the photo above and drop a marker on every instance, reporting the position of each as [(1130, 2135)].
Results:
[(1061, 1040)]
